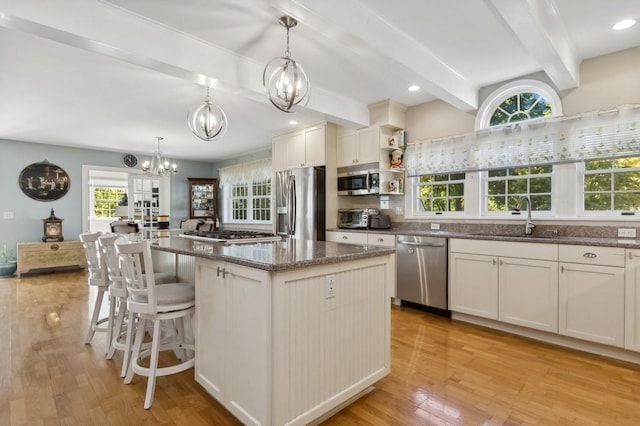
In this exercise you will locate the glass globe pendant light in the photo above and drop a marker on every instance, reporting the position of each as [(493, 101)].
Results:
[(208, 121), (159, 165), (284, 79)]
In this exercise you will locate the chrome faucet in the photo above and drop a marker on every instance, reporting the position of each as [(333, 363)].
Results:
[(528, 227)]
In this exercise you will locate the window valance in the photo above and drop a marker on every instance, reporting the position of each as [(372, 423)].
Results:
[(252, 171), (587, 136)]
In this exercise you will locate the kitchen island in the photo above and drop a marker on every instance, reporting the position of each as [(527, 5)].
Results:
[(287, 332)]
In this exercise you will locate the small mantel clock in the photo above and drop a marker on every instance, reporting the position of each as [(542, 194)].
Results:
[(52, 228)]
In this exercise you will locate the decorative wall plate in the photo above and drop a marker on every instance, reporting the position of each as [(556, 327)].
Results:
[(44, 181), (130, 160)]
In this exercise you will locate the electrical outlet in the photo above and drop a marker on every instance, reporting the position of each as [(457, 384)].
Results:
[(627, 232), (435, 226), (329, 286), (8, 215)]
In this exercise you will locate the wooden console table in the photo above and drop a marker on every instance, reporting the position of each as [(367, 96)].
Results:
[(37, 257)]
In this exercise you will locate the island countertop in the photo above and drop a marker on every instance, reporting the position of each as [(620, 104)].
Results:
[(271, 256)]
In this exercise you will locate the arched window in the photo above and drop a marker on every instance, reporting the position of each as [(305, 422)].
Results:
[(518, 101), (515, 102)]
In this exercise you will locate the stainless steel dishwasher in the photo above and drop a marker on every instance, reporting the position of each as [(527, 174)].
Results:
[(421, 273)]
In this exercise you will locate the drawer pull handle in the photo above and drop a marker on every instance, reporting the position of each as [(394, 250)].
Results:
[(55, 246), (562, 269), (590, 255), (494, 262), (344, 237), (381, 240)]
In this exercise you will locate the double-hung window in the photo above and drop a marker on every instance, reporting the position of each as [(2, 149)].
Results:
[(611, 186), (438, 193), (505, 186), (247, 192)]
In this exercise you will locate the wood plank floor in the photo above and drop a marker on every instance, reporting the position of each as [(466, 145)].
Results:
[(443, 373)]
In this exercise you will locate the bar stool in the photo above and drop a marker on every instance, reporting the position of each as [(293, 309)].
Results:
[(174, 302), (96, 277), (117, 326)]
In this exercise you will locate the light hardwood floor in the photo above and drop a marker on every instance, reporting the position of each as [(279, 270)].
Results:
[(443, 372)]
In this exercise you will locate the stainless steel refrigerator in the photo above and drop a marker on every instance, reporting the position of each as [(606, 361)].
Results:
[(300, 203)]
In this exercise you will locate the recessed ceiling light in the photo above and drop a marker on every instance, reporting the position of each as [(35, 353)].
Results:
[(293, 122), (414, 88), (624, 24)]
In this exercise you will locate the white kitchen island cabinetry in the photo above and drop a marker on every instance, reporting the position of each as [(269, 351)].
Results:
[(289, 331), (592, 293), (511, 282)]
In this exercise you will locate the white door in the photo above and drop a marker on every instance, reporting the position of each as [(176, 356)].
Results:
[(473, 284)]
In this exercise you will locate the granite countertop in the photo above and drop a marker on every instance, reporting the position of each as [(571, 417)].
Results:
[(507, 234), (271, 256)]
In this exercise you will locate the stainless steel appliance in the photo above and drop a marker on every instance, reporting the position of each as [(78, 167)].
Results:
[(421, 273), (231, 236), (355, 218), (359, 182), (300, 203)]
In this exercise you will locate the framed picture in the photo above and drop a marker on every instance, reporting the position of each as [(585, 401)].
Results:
[(44, 181)]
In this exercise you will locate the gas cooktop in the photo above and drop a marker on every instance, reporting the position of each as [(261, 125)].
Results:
[(231, 236)]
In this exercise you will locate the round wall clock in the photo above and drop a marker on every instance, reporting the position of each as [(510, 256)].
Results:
[(130, 160)]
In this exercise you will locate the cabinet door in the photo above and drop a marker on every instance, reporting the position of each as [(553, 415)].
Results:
[(591, 300), (203, 196), (347, 150), (314, 142), (528, 293), (210, 327), (294, 150), (368, 145), (248, 361), (473, 284), (278, 156), (632, 301)]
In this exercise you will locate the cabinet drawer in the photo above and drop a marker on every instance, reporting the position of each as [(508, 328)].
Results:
[(590, 255), (386, 240), (540, 251), (347, 237)]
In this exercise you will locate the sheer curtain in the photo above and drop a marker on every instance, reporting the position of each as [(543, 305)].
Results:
[(587, 136), (252, 171)]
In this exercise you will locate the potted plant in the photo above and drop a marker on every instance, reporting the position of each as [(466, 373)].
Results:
[(8, 263)]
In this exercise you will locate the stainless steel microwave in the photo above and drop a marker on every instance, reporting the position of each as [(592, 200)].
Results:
[(361, 182)]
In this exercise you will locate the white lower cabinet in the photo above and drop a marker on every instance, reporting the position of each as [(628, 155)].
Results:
[(232, 337), (528, 293), (632, 301), (365, 238), (473, 284), (515, 283), (592, 294)]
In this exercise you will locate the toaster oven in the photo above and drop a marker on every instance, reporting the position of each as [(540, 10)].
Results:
[(355, 218)]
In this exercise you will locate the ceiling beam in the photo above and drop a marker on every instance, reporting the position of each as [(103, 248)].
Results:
[(538, 26), (353, 24), (142, 42)]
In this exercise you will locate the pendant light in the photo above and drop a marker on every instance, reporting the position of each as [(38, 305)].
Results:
[(208, 121), (158, 165), (284, 79)]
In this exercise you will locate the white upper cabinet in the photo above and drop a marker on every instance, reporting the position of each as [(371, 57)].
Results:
[(301, 148), (358, 147)]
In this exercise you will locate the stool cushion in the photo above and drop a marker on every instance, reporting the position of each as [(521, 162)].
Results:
[(171, 294)]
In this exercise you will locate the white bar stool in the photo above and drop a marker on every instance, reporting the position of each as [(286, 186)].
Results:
[(172, 301), (96, 277)]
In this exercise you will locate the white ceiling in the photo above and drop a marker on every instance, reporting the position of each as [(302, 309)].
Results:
[(113, 75)]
